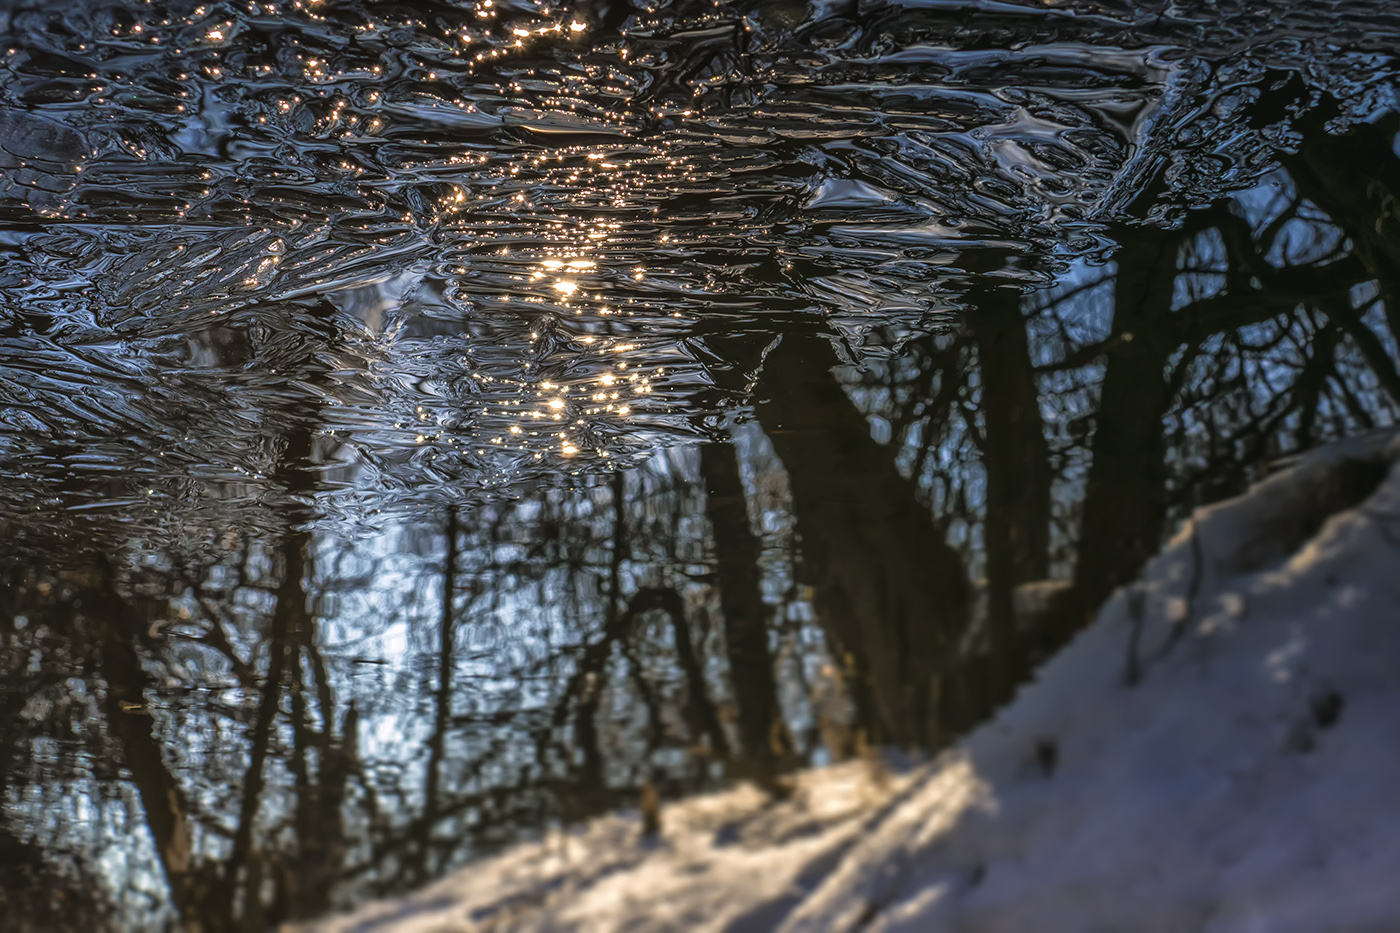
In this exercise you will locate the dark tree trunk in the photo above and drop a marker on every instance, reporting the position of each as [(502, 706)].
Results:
[(1124, 496), (891, 592), (746, 616), (437, 741), (1016, 460), (1355, 178)]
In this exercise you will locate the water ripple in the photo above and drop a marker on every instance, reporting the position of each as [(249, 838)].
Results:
[(463, 245)]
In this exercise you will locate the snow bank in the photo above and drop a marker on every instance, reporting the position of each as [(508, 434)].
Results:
[(1220, 751)]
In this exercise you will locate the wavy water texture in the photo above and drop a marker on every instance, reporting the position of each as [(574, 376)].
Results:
[(464, 244)]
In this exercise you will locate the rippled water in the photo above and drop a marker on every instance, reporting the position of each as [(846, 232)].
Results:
[(423, 423)]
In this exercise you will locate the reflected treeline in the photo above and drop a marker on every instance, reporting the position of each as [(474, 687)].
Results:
[(1059, 435), (285, 717)]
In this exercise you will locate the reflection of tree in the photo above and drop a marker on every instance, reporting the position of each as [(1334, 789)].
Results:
[(746, 615), (1122, 511), (1267, 354), (231, 859), (47, 885), (1250, 330), (1015, 457), (297, 715), (887, 587)]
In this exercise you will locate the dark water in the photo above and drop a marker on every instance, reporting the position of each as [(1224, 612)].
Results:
[(424, 423)]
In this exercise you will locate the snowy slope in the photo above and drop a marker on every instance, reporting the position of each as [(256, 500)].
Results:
[(1220, 751)]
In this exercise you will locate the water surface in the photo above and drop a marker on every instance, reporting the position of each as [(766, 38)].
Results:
[(426, 423)]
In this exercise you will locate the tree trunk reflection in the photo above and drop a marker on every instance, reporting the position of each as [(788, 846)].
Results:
[(746, 616), (892, 592)]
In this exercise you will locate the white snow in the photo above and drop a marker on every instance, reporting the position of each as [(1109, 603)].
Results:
[(1248, 781)]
